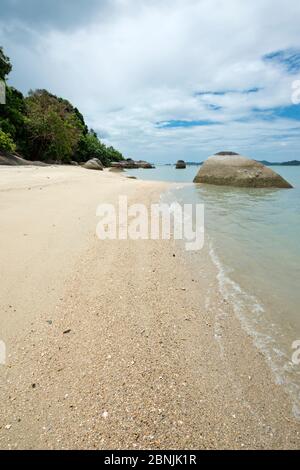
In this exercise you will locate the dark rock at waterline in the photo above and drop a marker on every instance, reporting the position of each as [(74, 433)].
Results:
[(181, 165), (116, 170), (143, 164), (228, 169), (130, 164)]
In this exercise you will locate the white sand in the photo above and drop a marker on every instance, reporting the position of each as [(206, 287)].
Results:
[(155, 358)]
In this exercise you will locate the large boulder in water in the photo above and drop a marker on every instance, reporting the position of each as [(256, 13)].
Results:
[(181, 165), (230, 169), (93, 164)]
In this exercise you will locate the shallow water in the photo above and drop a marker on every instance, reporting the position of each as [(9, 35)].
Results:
[(254, 238)]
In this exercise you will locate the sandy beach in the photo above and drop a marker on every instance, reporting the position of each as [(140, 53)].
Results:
[(119, 344)]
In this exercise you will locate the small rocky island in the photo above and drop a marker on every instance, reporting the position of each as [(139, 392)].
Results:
[(180, 165), (231, 169)]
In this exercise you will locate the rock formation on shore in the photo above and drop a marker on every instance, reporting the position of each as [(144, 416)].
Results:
[(13, 159), (130, 164), (93, 164), (143, 164), (181, 165), (116, 169), (229, 169)]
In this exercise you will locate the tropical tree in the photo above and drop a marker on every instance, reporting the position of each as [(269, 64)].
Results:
[(54, 128), (46, 127), (12, 114), (90, 147), (114, 155), (5, 65)]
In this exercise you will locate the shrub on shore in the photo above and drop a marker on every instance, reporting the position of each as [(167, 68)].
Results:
[(6, 142), (89, 147)]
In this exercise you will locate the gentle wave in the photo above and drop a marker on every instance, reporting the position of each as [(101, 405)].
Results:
[(253, 241), (250, 314)]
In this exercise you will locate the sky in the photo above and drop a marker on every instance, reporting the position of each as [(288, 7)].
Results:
[(163, 80)]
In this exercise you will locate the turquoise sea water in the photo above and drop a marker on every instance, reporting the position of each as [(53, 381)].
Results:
[(254, 239)]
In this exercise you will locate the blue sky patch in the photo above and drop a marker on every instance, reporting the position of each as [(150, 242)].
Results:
[(214, 107), (288, 112), (291, 112), (247, 91), (288, 58), (184, 123), (213, 93)]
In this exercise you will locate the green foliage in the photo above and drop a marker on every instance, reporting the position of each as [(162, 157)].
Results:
[(45, 127), (12, 114), (5, 65), (54, 129), (6, 142), (90, 147), (114, 155)]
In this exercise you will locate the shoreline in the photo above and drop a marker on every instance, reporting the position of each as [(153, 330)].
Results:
[(155, 357), (253, 310)]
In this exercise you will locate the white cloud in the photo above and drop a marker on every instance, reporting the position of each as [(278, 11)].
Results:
[(139, 63)]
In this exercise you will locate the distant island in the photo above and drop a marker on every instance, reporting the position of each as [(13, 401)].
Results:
[(187, 163), (264, 162), (290, 163), (194, 163)]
